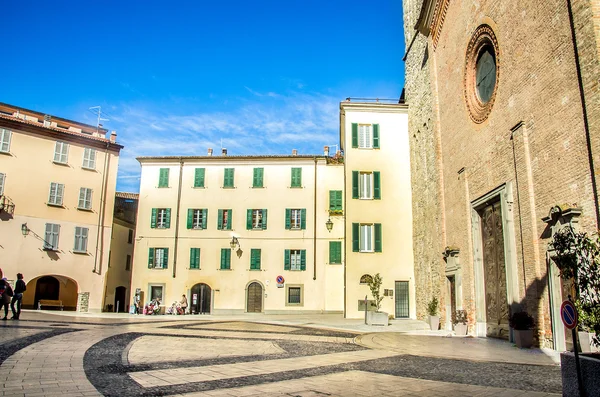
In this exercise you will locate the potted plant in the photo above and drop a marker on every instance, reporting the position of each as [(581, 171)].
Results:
[(459, 319), (522, 325), (585, 334), (376, 317), (432, 311)]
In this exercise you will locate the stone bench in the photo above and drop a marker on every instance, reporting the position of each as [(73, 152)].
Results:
[(50, 302)]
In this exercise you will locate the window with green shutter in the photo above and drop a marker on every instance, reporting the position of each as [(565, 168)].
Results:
[(256, 219), (257, 178), (296, 177), (294, 260), (376, 185), (194, 258), (375, 136), (378, 240), (355, 237), (354, 184), (354, 135), (161, 218), (295, 219), (335, 252), (163, 177), (254, 259), (158, 258), (224, 219), (199, 177), (335, 200), (228, 177), (196, 218), (225, 258)]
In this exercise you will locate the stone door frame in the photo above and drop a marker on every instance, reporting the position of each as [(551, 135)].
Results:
[(504, 194)]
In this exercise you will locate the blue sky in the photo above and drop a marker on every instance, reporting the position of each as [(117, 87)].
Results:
[(263, 77)]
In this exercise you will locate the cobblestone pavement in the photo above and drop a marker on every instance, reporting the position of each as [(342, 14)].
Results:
[(57, 355)]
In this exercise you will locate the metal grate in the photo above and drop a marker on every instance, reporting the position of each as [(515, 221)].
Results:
[(401, 299)]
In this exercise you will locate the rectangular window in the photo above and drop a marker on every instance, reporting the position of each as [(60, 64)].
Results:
[(128, 263), (256, 219), (161, 218), (294, 296), (2, 178), (224, 220), (85, 199), (61, 151), (5, 136), (294, 260), (335, 200), (228, 177), (225, 259), (194, 258), (158, 258), (51, 236), (296, 177), (197, 218), (81, 237), (365, 139), (255, 259), (335, 252), (366, 237), (163, 177), (130, 237), (156, 292), (89, 158), (199, 177), (56, 193), (257, 178), (366, 184), (295, 219)]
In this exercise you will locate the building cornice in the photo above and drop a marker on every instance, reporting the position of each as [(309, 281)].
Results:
[(374, 107), (228, 158)]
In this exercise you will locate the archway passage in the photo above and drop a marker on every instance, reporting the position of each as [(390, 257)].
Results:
[(120, 299), (51, 287), (47, 287), (201, 294), (254, 301)]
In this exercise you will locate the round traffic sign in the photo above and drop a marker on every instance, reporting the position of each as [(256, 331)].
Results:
[(280, 280), (568, 314)]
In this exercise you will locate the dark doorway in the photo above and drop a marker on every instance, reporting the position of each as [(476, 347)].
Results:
[(402, 308), (120, 298), (494, 270), (201, 299), (254, 298), (452, 281), (47, 287)]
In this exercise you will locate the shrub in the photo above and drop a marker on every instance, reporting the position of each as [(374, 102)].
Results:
[(459, 317), (375, 287), (432, 307), (521, 321)]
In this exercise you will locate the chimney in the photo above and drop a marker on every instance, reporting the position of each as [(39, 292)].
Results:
[(224, 151), (326, 151), (294, 152), (210, 151), (113, 136)]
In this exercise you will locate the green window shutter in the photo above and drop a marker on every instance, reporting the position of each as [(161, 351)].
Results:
[(355, 245), (354, 184), (378, 237), (257, 180), (335, 252), (264, 219), (303, 218), (249, 220), (150, 258), (225, 258), (332, 200), (228, 177), (163, 178), (288, 219), (302, 259), (204, 217), (220, 220), (354, 135), (166, 259), (190, 218), (199, 177), (168, 222), (332, 252), (153, 218), (375, 136), (286, 260), (255, 259), (229, 219), (194, 258), (376, 185), (338, 200), (296, 177)]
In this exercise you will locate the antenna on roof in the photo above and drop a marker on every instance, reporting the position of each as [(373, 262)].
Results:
[(97, 110)]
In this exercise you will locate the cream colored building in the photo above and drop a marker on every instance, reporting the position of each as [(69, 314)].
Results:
[(57, 188), (273, 211), (378, 205)]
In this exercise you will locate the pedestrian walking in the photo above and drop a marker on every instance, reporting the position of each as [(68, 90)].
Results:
[(20, 287), (6, 297)]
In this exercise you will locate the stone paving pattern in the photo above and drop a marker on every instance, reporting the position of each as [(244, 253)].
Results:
[(57, 355)]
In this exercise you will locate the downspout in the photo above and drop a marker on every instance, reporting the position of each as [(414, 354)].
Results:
[(345, 194), (586, 125), (177, 216), (100, 228), (315, 225)]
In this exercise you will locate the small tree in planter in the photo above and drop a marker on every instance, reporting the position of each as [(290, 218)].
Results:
[(459, 319), (432, 310), (522, 325), (378, 317)]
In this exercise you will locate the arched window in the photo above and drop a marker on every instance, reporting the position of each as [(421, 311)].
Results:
[(366, 279)]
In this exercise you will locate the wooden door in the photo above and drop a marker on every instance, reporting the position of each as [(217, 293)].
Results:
[(494, 268), (254, 304)]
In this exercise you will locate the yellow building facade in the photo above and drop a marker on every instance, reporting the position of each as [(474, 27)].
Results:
[(57, 188)]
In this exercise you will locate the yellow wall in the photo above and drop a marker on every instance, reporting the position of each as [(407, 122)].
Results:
[(117, 275)]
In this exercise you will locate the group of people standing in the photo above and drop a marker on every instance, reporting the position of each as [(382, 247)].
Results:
[(10, 296)]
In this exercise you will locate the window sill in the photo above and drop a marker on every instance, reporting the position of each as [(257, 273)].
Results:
[(295, 304), (198, 228), (55, 205), (257, 229), (366, 252), (296, 187), (80, 252), (334, 263), (198, 187), (255, 270), (295, 270), (193, 268), (163, 187), (225, 270), (85, 209), (229, 187), (158, 268), (258, 187), (50, 249), (66, 164), (6, 153), (365, 198), (295, 229), (88, 169)]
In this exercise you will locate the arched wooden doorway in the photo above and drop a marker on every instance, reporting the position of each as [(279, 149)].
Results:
[(201, 299), (254, 298), (120, 298), (47, 287)]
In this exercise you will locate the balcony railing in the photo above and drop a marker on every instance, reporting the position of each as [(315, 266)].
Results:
[(6, 205)]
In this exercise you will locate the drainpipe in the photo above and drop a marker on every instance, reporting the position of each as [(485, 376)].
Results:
[(586, 125), (100, 228), (315, 225), (177, 216)]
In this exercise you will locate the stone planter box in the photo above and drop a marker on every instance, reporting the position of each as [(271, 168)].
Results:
[(585, 342), (460, 329), (590, 372), (523, 338), (434, 322), (377, 318)]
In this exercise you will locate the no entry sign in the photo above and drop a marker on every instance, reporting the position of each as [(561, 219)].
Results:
[(280, 280), (568, 314)]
